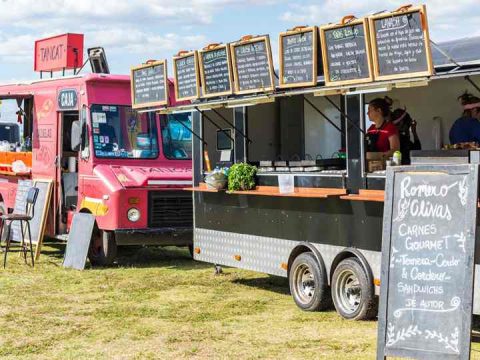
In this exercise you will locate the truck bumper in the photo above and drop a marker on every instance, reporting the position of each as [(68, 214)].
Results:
[(155, 236)]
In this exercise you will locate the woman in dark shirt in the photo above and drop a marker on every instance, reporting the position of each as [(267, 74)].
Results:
[(404, 123), (467, 127)]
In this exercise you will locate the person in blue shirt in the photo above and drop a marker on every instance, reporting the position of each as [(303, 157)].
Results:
[(467, 128)]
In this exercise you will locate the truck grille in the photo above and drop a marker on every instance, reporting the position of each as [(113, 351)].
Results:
[(170, 209)]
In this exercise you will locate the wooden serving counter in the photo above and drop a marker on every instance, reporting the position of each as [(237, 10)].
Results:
[(301, 192), (366, 195)]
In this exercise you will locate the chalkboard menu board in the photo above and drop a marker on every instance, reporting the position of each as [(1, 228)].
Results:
[(216, 71), (149, 85), (401, 44), (252, 65), (298, 51), (426, 290), (346, 53), (187, 80)]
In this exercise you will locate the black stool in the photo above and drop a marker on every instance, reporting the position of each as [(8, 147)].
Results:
[(8, 219)]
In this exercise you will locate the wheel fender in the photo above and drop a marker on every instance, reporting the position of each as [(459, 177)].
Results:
[(352, 252), (307, 247)]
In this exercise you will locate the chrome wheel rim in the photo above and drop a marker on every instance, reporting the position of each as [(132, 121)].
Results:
[(348, 291), (305, 284)]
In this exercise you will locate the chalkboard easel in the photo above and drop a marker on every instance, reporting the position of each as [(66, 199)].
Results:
[(187, 85), (346, 52), (153, 81), (427, 271), (257, 65), (215, 70), (298, 57), (401, 44)]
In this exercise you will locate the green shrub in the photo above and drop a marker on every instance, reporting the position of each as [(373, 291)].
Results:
[(241, 177)]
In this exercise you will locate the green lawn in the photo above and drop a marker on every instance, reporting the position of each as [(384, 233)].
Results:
[(160, 304)]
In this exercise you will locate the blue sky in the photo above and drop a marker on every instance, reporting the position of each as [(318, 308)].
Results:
[(134, 31)]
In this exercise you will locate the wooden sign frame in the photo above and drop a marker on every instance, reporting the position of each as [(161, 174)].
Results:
[(471, 171), (180, 56), (422, 9), (364, 22), (250, 40), (132, 88), (209, 48), (297, 31)]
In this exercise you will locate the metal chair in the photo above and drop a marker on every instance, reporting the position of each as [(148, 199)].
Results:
[(8, 219)]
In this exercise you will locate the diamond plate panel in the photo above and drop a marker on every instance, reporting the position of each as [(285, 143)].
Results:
[(257, 253)]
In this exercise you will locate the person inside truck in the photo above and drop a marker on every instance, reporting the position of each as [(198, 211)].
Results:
[(382, 136), (467, 127), (404, 123)]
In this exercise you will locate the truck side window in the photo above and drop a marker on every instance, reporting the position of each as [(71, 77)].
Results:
[(85, 143)]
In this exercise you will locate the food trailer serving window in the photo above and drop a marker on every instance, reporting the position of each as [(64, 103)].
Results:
[(120, 132), (176, 138)]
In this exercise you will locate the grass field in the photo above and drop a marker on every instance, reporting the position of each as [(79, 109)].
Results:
[(160, 304)]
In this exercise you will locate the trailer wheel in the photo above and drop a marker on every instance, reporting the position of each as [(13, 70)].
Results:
[(103, 248), (307, 283), (353, 295)]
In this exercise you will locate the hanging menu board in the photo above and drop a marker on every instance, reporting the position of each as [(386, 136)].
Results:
[(252, 65), (187, 80), (215, 71), (298, 49), (149, 85), (426, 293), (346, 53), (401, 44)]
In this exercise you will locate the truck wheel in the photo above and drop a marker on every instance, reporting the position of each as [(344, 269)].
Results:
[(353, 295), (307, 283), (103, 248)]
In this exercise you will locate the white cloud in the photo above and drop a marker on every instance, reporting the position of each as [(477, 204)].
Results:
[(447, 19), (32, 13)]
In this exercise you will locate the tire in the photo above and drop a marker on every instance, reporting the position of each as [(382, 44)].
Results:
[(307, 283), (353, 295), (103, 248)]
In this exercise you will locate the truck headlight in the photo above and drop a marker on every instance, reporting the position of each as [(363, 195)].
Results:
[(133, 214)]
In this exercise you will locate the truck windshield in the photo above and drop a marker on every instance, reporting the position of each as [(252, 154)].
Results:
[(120, 132), (176, 138)]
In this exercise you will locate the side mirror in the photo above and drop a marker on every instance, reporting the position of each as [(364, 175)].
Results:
[(76, 136)]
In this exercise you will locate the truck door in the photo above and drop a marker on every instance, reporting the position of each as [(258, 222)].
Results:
[(67, 171), (44, 145)]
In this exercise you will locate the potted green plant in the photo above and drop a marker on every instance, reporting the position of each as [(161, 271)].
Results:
[(241, 176)]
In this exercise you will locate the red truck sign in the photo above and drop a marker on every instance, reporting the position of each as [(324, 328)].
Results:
[(59, 52)]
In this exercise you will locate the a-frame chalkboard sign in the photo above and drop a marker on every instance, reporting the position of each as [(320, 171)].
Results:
[(428, 252)]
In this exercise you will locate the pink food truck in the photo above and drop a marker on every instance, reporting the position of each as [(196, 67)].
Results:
[(126, 168)]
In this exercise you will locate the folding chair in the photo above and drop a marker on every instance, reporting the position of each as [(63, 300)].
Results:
[(8, 219)]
